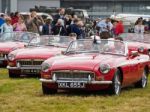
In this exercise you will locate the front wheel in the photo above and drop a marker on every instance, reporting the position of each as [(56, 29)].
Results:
[(47, 90), (142, 83), (116, 84)]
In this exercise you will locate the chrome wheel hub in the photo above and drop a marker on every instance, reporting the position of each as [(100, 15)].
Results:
[(144, 79), (117, 85)]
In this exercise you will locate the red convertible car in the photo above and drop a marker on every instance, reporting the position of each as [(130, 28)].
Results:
[(106, 64), (12, 41), (138, 41), (28, 61)]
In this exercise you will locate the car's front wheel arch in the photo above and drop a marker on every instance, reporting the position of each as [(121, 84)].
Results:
[(121, 74), (147, 70), (142, 83), (115, 87)]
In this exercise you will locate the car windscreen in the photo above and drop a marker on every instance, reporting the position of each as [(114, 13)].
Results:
[(17, 36), (101, 46), (51, 40)]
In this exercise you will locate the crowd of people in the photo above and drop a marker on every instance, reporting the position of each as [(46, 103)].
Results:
[(64, 25), (61, 24)]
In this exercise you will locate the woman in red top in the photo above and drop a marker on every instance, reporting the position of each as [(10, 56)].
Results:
[(119, 28), (15, 18)]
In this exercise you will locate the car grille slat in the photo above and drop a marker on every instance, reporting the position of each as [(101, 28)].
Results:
[(74, 75), (29, 62), (3, 55)]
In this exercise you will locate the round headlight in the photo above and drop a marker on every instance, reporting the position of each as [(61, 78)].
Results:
[(141, 49), (104, 68), (45, 67), (11, 57)]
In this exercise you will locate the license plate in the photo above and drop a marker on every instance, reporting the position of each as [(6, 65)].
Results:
[(30, 71), (71, 85), (1, 58)]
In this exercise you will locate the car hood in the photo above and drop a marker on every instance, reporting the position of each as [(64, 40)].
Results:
[(38, 52), (9, 46), (82, 61)]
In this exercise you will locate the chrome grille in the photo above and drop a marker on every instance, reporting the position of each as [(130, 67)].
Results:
[(74, 75), (2, 56), (29, 62)]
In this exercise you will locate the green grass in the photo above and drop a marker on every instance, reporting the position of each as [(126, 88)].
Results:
[(25, 95)]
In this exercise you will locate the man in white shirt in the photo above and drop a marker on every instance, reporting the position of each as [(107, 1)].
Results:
[(105, 28)]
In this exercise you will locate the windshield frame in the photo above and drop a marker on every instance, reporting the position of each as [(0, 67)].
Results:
[(13, 36), (98, 51)]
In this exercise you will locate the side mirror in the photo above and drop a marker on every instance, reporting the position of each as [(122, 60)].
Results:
[(133, 54)]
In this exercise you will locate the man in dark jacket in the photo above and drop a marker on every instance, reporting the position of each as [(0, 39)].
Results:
[(47, 27), (60, 15), (77, 28), (59, 28), (71, 27)]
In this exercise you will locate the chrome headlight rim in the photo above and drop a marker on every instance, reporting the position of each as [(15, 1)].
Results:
[(104, 68), (141, 49), (45, 67), (11, 57)]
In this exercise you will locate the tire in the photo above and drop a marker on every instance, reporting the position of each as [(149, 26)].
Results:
[(47, 90), (142, 83), (13, 75), (116, 84)]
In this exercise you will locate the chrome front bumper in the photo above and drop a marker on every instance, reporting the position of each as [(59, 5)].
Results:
[(86, 82), (24, 68), (3, 59)]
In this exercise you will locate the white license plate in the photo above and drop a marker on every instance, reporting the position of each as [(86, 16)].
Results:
[(30, 71), (71, 85)]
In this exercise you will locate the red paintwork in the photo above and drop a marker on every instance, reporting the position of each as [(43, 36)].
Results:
[(137, 45), (7, 47), (43, 53), (37, 53), (132, 68)]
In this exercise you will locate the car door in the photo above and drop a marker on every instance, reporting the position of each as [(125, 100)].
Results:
[(141, 61), (130, 71), (136, 68)]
